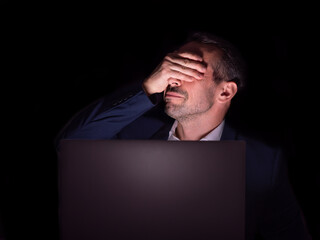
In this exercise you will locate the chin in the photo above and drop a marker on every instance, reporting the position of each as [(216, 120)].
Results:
[(169, 110), (172, 110)]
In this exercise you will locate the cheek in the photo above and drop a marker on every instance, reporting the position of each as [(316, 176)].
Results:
[(205, 94), (196, 94), (200, 90)]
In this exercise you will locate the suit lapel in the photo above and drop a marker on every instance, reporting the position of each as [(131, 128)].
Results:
[(228, 133), (163, 132)]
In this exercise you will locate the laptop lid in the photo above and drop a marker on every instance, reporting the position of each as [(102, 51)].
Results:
[(151, 189)]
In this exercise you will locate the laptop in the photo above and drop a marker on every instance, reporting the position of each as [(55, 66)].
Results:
[(151, 190)]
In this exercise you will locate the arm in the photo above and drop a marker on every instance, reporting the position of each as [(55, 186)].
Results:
[(104, 118), (283, 217)]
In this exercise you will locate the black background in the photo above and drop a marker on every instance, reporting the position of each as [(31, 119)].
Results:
[(59, 57)]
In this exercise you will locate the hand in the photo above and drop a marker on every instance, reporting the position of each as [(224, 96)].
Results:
[(175, 67)]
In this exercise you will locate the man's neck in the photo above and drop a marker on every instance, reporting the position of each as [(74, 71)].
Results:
[(196, 129)]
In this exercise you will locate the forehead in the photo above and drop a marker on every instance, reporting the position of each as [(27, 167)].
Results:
[(208, 52)]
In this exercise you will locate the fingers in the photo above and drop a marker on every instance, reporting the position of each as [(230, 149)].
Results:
[(186, 66), (187, 60), (183, 76), (190, 73), (190, 56), (177, 66)]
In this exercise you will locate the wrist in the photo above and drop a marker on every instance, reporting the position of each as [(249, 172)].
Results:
[(146, 89)]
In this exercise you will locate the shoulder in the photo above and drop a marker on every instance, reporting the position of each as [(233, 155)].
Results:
[(262, 150), (265, 160), (263, 153), (256, 145)]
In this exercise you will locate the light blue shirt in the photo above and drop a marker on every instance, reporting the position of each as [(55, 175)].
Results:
[(214, 135)]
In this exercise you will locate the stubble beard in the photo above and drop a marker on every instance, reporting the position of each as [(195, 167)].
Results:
[(183, 112)]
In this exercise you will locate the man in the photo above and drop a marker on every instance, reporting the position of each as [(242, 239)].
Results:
[(187, 97)]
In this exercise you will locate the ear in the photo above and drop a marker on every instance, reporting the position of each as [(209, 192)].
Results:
[(227, 91)]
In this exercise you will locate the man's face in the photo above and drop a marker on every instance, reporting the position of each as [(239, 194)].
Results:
[(187, 100)]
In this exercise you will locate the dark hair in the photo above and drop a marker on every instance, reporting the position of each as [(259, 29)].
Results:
[(232, 65)]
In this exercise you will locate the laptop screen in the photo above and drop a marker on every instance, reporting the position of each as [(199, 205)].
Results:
[(151, 189)]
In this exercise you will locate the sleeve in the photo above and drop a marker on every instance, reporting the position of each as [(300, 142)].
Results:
[(283, 217), (107, 116)]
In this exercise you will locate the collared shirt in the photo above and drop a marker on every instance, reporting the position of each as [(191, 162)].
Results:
[(214, 135)]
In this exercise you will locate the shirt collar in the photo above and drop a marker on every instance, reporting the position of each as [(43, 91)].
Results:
[(214, 135)]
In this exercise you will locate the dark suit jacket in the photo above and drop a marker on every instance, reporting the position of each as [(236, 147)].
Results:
[(272, 211)]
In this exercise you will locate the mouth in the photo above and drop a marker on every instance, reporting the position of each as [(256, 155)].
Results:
[(173, 95)]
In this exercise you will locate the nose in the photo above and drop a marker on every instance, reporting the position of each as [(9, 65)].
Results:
[(173, 82)]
